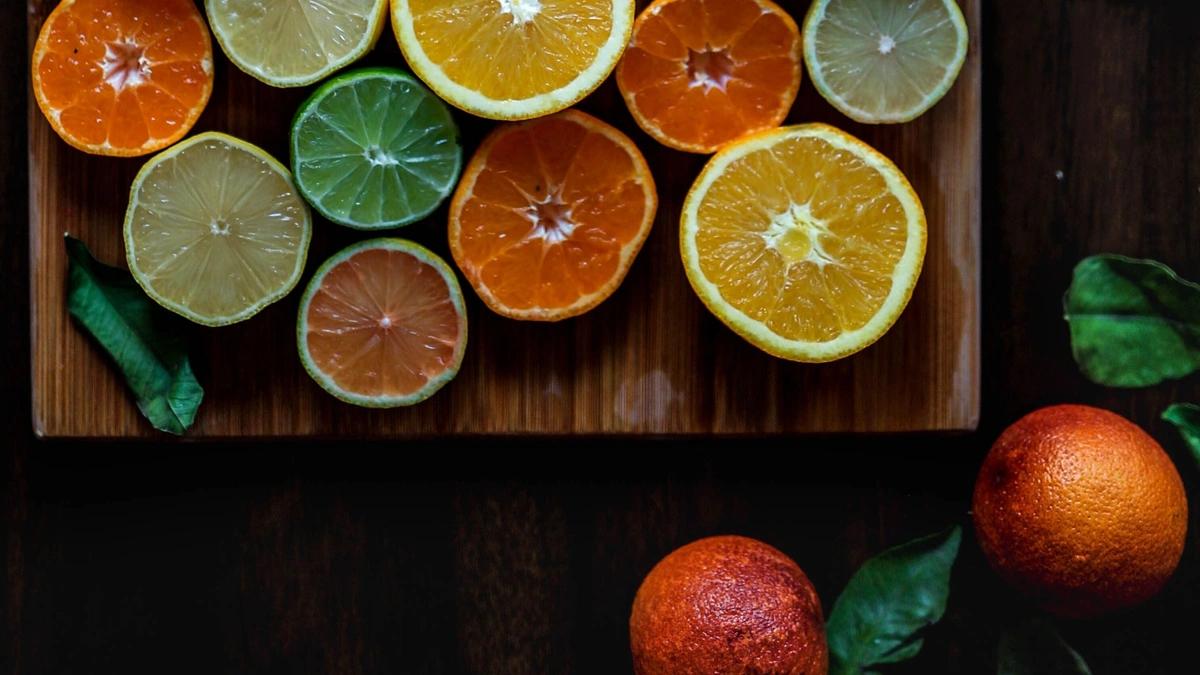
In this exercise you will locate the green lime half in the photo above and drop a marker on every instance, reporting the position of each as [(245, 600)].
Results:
[(374, 149)]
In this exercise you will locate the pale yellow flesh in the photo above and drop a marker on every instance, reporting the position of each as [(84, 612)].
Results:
[(295, 42), (883, 60), (216, 230), (804, 240)]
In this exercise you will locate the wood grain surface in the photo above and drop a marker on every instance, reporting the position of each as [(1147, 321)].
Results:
[(651, 360)]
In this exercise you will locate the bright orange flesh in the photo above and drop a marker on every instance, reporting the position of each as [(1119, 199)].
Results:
[(123, 77), (384, 324), (701, 73), (550, 214)]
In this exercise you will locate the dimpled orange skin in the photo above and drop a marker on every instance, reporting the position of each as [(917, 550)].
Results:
[(1081, 510), (727, 605)]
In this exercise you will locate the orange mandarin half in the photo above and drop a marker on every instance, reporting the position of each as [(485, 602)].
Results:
[(123, 77), (550, 214), (701, 73)]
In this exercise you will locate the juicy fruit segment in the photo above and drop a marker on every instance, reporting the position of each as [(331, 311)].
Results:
[(881, 60), (512, 59), (1081, 510), (374, 149), (383, 324), (804, 240), (123, 77), (550, 214), (701, 73), (727, 605), (215, 230), (293, 43)]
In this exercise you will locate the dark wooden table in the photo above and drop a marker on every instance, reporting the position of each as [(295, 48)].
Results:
[(500, 557)]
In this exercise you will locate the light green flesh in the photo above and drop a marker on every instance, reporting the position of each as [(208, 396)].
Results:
[(927, 45), (375, 150)]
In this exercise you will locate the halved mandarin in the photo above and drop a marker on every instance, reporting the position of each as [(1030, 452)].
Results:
[(123, 77), (550, 215), (701, 73), (383, 324)]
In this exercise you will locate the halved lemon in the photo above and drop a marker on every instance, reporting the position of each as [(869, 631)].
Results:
[(294, 43), (884, 61), (512, 59), (804, 240), (216, 230)]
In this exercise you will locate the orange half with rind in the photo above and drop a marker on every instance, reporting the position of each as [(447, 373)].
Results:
[(550, 214), (699, 74), (123, 77)]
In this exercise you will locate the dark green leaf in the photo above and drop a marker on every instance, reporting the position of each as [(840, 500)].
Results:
[(880, 616), (1036, 648), (1186, 418), (141, 338), (1134, 323)]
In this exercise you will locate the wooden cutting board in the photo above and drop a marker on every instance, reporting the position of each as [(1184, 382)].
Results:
[(649, 361)]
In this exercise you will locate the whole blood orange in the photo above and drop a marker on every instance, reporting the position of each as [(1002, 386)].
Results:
[(123, 77), (727, 605), (1081, 510)]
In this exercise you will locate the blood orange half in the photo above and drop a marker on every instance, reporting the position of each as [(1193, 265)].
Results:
[(382, 324)]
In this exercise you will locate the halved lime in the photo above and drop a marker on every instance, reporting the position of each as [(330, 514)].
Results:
[(215, 230), (293, 43), (383, 324), (884, 61), (374, 149)]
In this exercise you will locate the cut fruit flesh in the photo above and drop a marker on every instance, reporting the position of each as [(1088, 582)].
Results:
[(512, 59), (701, 73), (374, 149), (120, 77), (880, 61), (804, 240), (550, 215), (215, 229), (294, 43), (383, 324)]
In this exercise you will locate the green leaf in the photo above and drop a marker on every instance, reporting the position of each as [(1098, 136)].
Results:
[(1036, 648), (1134, 323), (141, 338), (1186, 418), (893, 597)]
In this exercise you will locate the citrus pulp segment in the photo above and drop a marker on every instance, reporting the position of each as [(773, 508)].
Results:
[(215, 229), (374, 149), (512, 59), (550, 215), (122, 77), (701, 73), (383, 324), (293, 43), (880, 61), (804, 240)]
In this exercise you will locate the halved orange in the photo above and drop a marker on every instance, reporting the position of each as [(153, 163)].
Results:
[(701, 73), (550, 214), (804, 240), (383, 324), (123, 77), (512, 59)]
